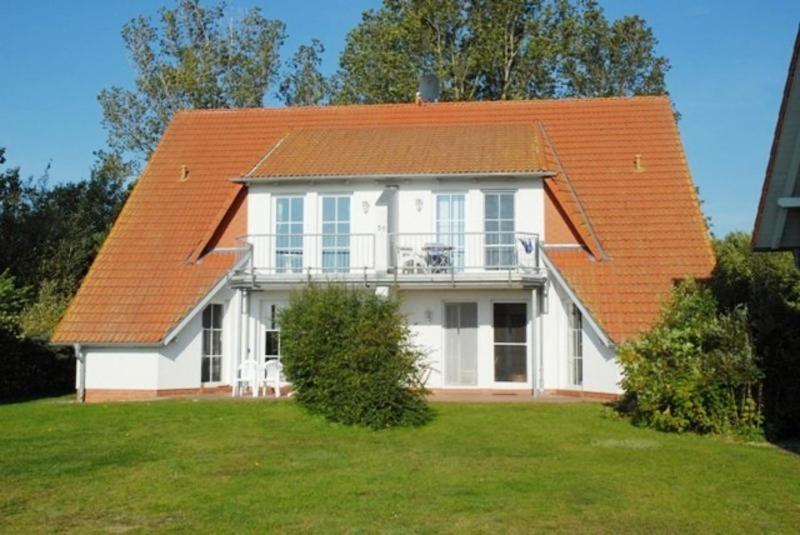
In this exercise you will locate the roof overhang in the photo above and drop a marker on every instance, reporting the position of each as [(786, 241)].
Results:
[(777, 225)]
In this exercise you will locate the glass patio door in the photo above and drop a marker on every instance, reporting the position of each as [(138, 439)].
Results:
[(450, 226)]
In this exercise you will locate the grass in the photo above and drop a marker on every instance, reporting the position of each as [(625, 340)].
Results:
[(221, 466)]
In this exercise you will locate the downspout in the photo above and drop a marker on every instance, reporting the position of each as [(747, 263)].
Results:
[(540, 342), (80, 363)]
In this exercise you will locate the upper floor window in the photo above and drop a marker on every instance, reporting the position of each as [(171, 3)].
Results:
[(336, 234), (289, 234), (575, 346), (499, 226), (211, 365)]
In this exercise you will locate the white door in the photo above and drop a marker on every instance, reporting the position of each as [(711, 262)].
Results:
[(461, 344)]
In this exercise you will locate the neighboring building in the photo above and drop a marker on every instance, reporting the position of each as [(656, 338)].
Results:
[(526, 238), (777, 226)]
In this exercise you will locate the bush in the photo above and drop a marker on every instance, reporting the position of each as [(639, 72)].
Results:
[(695, 370), (768, 284), (348, 355), (30, 369)]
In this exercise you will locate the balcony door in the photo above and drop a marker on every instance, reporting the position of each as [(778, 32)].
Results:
[(336, 234), (499, 226), (450, 226), (289, 234)]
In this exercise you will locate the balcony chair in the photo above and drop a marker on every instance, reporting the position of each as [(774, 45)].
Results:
[(409, 261)]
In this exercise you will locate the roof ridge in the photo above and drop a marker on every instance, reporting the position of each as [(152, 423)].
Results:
[(459, 103)]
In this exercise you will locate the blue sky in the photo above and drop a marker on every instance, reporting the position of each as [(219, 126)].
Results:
[(729, 62)]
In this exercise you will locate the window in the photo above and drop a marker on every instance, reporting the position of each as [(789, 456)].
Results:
[(510, 342), (289, 234), (211, 366), (336, 234), (272, 334), (575, 344), (499, 228), (450, 226)]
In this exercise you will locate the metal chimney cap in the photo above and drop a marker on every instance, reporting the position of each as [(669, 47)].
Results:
[(429, 87)]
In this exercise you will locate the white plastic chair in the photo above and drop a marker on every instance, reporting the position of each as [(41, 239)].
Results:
[(409, 261), (271, 376), (246, 374)]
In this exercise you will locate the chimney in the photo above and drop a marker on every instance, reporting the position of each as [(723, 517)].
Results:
[(637, 163)]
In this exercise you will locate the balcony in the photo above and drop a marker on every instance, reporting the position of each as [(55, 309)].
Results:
[(403, 258)]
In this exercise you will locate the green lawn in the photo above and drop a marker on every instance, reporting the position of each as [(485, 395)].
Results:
[(256, 466)]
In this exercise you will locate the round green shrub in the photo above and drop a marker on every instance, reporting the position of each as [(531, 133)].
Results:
[(348, 355)]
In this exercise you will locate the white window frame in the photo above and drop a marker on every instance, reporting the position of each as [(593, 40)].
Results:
[(211, 356), (510, 247), (269, 323), (336, 248), (435, 224), (275, 223), (574, 345), (528, 363)]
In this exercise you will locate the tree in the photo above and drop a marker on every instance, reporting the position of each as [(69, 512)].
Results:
[(195, 58), (304, 84), (50, 235), (498, 49), (768, 284)]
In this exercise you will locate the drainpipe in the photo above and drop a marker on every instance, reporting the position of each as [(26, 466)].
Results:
[(540, 320), (80, 364), (237, 358)]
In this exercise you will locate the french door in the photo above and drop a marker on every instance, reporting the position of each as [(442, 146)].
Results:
[(289, 234), (450, 226), (461, 344)]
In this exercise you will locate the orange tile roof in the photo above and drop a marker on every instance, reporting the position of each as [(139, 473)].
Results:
[(403, 150), (643, 228)]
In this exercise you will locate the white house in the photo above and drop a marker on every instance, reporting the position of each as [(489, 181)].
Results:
[(525, 239)]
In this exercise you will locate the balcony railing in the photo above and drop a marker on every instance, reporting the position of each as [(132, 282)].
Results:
[(463, 252), (393, 255), (275, 254)]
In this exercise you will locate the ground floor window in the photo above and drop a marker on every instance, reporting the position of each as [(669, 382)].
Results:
[(211, 367), (575, 346), (510, 342), (272, 333)]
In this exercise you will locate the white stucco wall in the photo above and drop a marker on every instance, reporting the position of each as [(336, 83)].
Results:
[(121, 368), (179, 362), (601, 372), (425, 313)]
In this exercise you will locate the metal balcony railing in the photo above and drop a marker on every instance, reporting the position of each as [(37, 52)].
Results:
[(330, 254), (463, 252), (430, 254)]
